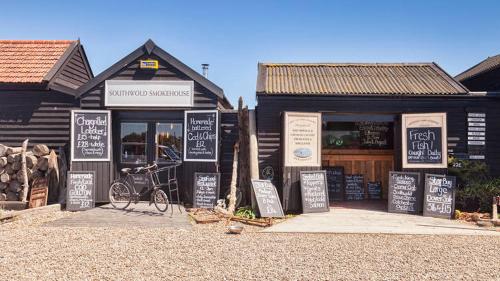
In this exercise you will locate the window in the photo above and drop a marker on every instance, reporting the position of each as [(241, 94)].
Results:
[(168, 142), (133, 142)]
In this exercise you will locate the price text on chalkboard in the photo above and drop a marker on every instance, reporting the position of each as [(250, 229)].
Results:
[(267, 199), (80, 190), (405, 193), (439, 196), (201, 135), (335, 180), (374, 189), (424, 145), (314, 191), (206, 190), (354, 187), (90, 135)]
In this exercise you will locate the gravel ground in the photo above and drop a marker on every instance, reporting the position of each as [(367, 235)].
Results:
[(29, 251)]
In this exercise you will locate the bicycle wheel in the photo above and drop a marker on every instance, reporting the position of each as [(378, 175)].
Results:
[(119, 195), (161, 200)]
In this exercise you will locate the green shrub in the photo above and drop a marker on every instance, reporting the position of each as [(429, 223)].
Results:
[(246, 212)]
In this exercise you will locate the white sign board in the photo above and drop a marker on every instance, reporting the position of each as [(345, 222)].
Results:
[(302, 135), (157, 93)]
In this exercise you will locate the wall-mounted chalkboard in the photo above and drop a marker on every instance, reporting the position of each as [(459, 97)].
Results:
[(201, 135), (90, 135), (314, 192), (335, 180), (206, 190), (374, 189), (375, 134), (354, 187), (439, 196), (405, 193), (424, 145), (267, 199), (80, 190)]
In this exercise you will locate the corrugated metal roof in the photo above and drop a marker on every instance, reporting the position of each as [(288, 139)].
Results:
[(351, 78), (28, 61), (486, 65)]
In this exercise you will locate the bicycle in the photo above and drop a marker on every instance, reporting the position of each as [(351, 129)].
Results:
[(122, 191)]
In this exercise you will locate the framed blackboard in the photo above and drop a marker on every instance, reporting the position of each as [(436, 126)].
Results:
[(374, 189), (375, 134), (80, 190), (90, 135), (439, 196), (267, 199), (405, 193), (206, 190), (201, 135), (314, 192), (335, 180), (424, 145), (354, 187)]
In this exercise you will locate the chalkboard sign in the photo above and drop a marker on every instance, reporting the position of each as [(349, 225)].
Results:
[(374, 190), (201, 135), (90, 135), (354, 187), (267, 199), (405, 193), (314, 192), (335, 180), (80, 190), (206, 190), (424, 145), (439, 197), (375, 134)]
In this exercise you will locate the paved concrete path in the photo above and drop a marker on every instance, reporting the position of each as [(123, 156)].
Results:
[(352, 220), (136, 215)]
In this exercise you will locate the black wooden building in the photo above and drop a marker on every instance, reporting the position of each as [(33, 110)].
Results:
[(482, 77), (352, 95)]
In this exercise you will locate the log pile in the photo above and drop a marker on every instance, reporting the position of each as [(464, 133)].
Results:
[(11, 173)]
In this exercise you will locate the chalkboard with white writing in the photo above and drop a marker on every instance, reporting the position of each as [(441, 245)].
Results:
[(405, 193), (439, 196), (374, 189), (375, 134), (206, 190), (90, 135), (267, 199), (201, 135), (354, 187), (424, 145), (335, 180), (314, 192), (80, 190)]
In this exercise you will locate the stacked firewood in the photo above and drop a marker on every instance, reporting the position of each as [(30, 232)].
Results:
[(11, 173)]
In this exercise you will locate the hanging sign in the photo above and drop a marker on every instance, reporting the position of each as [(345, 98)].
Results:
[(424, 139), (90, 135), (439, 198), (267, 199), (80, 190), (405, 193), (201, 135), (314, 191), (206, 190), (302, 139)]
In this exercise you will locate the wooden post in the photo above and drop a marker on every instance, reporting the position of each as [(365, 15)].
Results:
[(494, 209), (24, 194), (232, 193), (244, 152)]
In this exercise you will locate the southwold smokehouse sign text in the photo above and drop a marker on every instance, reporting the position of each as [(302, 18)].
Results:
[(90, 135), (80, 190), (424, 140), (201, 133), (302, 139)]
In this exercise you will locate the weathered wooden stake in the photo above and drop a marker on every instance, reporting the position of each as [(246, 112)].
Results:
[(24, 194), (232, 193)]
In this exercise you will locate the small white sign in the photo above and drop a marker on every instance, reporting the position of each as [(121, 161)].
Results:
[(477, 157), (471, 114), (477, 124), (476, 119), (476, 142), (477, 129), (475, 138), (476, 133)]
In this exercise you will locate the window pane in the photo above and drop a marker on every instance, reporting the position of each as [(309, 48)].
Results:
[(357, 135), (134, 132), (133, 146), (134, 153), (169, 142)]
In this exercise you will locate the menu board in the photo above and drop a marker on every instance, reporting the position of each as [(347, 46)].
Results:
[(335, 180), (314, 191), (405, 193), (267, 199), (374, 190), (424, 145), (90, 135), (80, 190), (354, 187), (439, 197), (201, 135), (374, 134), (206, 190)]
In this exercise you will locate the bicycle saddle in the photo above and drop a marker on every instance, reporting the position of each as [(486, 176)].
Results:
[(126, 170)]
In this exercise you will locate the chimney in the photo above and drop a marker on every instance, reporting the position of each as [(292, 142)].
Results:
[(204, 66)]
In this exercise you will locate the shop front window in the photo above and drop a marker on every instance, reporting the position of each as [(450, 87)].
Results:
[(168, 142), (133, 142)]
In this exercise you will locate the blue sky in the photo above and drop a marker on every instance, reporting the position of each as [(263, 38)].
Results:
[(233, 36)]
